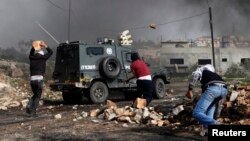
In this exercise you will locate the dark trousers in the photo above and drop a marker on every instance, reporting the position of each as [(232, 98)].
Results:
[(37, 87), (145, 89)]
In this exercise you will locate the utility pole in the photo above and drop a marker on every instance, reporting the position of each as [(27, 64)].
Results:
[(161, 41), (212, 36), (69, 21)]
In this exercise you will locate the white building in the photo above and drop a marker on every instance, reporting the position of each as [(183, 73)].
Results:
[(172, 56)]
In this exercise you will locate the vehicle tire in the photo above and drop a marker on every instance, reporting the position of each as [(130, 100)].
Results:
[(159, 91), (73, 96), (110, 67), (98, 92)]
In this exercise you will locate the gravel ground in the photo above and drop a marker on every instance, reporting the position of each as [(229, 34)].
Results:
[(16, 125)]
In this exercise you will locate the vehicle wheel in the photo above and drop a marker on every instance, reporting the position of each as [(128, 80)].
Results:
[(159, 88), (110, 67), (98, 92), (73, 96)]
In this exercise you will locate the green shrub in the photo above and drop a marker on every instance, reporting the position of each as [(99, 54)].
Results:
[(235, 71), (239, 71)]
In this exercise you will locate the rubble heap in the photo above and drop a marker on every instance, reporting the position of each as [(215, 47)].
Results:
[(239, 100), (133, 114)]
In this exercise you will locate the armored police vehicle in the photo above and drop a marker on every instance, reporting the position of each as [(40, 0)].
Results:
[(95, 69)]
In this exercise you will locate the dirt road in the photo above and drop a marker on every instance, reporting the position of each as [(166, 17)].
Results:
[(16, 125)]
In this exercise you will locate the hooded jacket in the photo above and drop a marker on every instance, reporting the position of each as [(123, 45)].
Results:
[(38, 61), (206, 75)]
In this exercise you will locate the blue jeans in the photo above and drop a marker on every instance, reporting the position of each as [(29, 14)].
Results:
[(205, 108)]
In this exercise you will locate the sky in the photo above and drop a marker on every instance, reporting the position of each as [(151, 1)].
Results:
[(90, 19)]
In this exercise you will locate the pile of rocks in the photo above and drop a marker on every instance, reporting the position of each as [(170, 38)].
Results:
[(130, 114), (239, 101)]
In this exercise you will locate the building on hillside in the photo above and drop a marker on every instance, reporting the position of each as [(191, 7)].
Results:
[(172, 56)]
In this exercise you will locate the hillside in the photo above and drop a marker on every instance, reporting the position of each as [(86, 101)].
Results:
[(14, 85)]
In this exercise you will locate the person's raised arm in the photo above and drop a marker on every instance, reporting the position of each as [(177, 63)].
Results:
[(49, 50), (32, 51)]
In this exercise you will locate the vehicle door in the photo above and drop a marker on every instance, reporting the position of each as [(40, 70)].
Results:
[(67, 63), (126, 62)]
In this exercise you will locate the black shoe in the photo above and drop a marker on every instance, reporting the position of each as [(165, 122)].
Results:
[(34, 115), (31, 113), (28, 111)]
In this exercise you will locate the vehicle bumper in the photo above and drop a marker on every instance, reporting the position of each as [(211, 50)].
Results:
[(61, 86)]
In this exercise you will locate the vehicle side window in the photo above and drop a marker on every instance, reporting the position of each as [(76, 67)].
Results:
[(128, 56), (95, 51)]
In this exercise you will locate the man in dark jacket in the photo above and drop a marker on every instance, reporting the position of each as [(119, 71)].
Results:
[(37, 70), (213, 88)]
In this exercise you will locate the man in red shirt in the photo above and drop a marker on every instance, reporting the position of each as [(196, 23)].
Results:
[(141, 71)]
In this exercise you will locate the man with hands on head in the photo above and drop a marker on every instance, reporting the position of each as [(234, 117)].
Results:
[(38, 60)]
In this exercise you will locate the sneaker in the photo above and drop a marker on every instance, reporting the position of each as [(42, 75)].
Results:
[(204, 132), (219, 122)]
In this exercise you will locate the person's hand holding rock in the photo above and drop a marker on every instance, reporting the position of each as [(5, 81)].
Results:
[(189, 94)]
